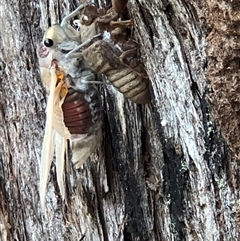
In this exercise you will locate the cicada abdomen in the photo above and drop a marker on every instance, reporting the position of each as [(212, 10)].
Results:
[(82, 116), (130, 79)]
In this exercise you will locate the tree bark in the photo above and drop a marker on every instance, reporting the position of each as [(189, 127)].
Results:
[(164, 171)]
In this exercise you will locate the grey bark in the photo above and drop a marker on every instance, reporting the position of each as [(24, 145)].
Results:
[(163, 171)]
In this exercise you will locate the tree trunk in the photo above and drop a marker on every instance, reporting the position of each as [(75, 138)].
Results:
[(164, 171)]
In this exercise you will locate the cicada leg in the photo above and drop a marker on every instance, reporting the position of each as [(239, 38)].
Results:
[(72, 14), (87, 42), (121, 24), (125, 54)]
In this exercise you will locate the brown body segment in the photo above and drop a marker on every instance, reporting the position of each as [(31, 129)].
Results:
[(77, 113)]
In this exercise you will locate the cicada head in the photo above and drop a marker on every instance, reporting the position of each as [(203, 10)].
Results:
[(55, 45), (54, 36), (47, 48)]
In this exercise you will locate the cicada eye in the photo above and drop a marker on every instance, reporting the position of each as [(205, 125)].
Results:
[(48, 42)]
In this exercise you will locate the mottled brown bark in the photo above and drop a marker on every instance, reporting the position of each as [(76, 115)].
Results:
[(163, 171)]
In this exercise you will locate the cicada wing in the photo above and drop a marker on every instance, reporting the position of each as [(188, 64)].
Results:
[(47, 148), (60, 150), (59, 124), (83, 148)]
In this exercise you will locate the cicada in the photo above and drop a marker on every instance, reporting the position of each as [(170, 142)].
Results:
[(73, 107), (69, 57)]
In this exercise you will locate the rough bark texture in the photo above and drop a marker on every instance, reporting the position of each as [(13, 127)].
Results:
[(163, 171)]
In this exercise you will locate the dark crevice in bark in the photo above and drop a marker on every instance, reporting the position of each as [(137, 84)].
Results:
[(99, 206), (157, 225), (107, 147), (73, 5), (60, 16), (4, 203), (175, 181), (82, 238), (123, 164), (196, 21), (90, 199), (135, 225), (218, 153), (169, 11), (127, 235), (114, 129), (181, 35), (195, 90), (69, 168), (12, 196), (48, 13), (216, 147), (216, 158), (148, 20), (21, 211)]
